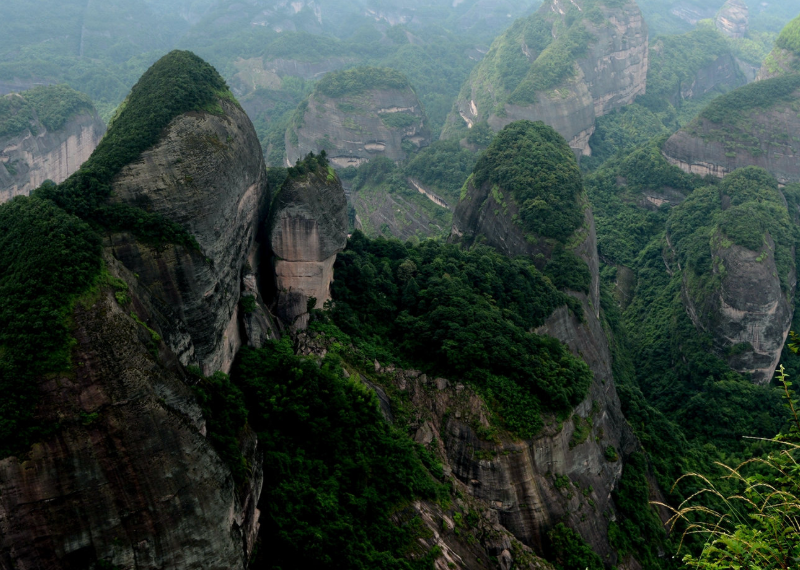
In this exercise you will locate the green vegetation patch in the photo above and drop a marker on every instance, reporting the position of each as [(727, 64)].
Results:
[(178, 83), (759, 95), (535, 164), (48, 258), (340, 475), (444, 166), (53, 106), (462, 314), (359, 80), (399, 120), (789, 38), (569, 551)]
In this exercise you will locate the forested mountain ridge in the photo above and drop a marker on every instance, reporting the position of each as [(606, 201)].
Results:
[(566, 65), (207, 362)]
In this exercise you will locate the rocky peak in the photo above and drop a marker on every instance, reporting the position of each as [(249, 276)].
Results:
[(308, 227), (557, 234), (357, 115), (575, 61), (45, 134), (207, 174), (125, 474), (732, 19), (739, 286)]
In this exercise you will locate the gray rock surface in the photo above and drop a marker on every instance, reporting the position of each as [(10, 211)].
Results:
[(733, 19), (207, 174), (36, 155), (128, 477), (764, 137), (353, 129), (308, 227), (611, 74), (748, 308)]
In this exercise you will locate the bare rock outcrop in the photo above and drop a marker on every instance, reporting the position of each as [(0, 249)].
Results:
[(207, 173), (36, 153), (755, 125), (733, 19), (609, 73), (308, 228), (127, 478), (357, 115)]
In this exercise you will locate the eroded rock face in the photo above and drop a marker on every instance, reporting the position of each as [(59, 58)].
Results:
[(733, 18), (517, 483), (748, 310), (36, 155), (764, 137), (611, 74), (207, 174), (308, 227), (128, 477), (353, 129)]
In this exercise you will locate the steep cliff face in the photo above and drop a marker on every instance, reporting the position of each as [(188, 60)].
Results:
[(756, 125), (128, 470), (36, 145), (565, 65), (357, 115), (493, 215), (308, 227), (207, 173), (128, 478), (733, 19), (740, 287)]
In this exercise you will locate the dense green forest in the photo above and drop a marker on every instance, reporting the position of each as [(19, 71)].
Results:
[(342, 480)]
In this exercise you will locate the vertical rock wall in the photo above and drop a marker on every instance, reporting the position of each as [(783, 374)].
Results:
[(36, 155), (520, 483), (208, 175), (308, 227)]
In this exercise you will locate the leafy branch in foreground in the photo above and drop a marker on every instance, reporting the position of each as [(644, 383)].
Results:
[(750, 517)]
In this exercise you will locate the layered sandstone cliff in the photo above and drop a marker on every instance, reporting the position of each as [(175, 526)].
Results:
[(520, 483), (36, 153), (207, 173), (756, 125), (357, 115), (307, 228), (130, 472), (562, 66)]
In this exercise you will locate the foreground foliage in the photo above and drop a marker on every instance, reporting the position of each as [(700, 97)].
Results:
[(465, 314), (339, 476), (754, 517)]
